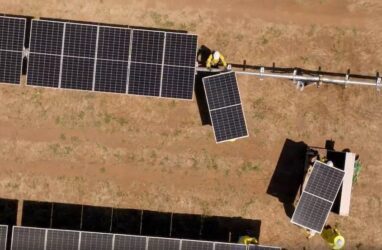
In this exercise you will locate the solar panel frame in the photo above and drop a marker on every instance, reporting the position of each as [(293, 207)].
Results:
[(45, 45), (62, 240), (10, 72), (229, 246), (77, 73), (75, 34), (104, 42), (12, 43), (175, 54), (129, 242), (3, 237), (174, 83), (218, 112), (37, 74), (111, 76), (141, 52), (158, 243), (147, 83), (96, 241), (262, 247)]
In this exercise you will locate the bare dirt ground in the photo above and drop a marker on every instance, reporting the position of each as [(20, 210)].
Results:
[(146, 153)]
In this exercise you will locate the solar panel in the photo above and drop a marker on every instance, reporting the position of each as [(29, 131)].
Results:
[(77, 73), (144, 79), (12, 30), (96, 241), (80, 40), (230, 246), (12, 37), (163, 244), (62, 240), (324, 181), (128, 242), (10, 66), (318, 197), (114, 43), (197, 245), (178, 82), (229, 123), (180, 50), (46, 37), (259, 247), (147, 46), (111, 76), (27, 238), (44, 70), (3, 236)]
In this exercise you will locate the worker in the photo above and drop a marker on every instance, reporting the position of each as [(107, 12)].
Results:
[(246, 240), (333, 237), (215, 59)]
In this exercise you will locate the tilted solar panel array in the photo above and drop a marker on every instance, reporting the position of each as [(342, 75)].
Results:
[(225, 107), (12, 36), (111, 59), (3, 237), (318, 197), (28, 238)]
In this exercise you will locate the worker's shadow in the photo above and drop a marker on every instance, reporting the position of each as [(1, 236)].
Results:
[(200, 95), (289, 174)]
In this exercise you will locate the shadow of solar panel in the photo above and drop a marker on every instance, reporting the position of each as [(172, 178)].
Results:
[(111, 76), (129, 242), (259, 247), (229, 246), (197, 245), (229, 123), (180, 49), (147, 46), (221, 90), (324, 181), (178, 82), (163, 244), (77, 73), (10, 66), (12, 32), (43, 70), (3, 236), (96, 241), (311, 212), (113, 43), (25, 238), (62, 240), (46, 37), (144, 79), (80, 40)]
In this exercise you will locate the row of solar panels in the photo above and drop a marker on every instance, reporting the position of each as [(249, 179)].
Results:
[(28, 238), (318, 196), (99, 58)]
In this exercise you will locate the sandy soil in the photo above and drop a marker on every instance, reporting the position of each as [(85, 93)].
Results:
[(145, 153)]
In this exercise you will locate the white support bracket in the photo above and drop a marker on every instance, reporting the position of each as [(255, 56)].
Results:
[(379, 83), (262, 71)]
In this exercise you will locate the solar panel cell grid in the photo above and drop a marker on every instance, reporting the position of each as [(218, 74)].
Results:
[(80, 40), (3, 237), (96, 241), (163, 244), (311, 212), (127, 242), (28, 238), (12, 31), (147, 46), (229, 123), (46, 37), (180, 49), (111, 76), (62, 240), (324, 181), (227, 246), (10, 66), (221, 90), (144, 79), (44, 70), (77, 73), (178, 82), (196, 245), (113, 43)]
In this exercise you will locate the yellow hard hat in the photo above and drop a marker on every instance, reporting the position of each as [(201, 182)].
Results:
[(338, 242)]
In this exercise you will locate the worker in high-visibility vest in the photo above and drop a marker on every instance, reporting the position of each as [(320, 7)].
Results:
[(333, 237), (246, 240), (215, 59)]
